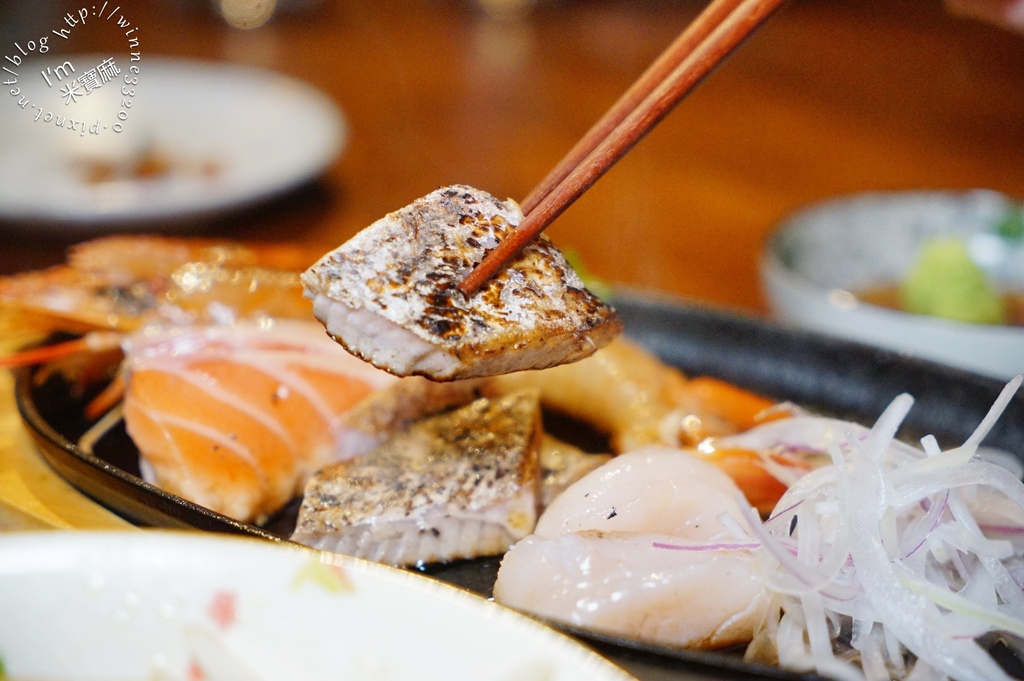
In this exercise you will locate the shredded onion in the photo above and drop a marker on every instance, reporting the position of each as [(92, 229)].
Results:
[(891, 561)]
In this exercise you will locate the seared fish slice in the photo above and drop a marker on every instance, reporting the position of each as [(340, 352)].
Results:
[(390, 295), (411, 399), (457, 485), (397, 407)]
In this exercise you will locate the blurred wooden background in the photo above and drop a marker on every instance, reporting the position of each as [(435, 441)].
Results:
[(830, 97)]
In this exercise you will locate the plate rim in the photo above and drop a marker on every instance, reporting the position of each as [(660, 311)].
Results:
[(49, 549)]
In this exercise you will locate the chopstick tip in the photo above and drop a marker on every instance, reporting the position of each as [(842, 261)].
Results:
[(470, 284)]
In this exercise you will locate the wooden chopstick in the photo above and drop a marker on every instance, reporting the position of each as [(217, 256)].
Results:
[(708, 40), (662, 68)]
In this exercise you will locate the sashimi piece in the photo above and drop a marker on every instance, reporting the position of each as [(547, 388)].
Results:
[(660, 490), (650, 545), (646, 587), (390, 295), (457, 485), (236, 418)]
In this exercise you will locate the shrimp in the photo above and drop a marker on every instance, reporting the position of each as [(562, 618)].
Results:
[(630, 394), (113, 286), (121, 283), (146, 256), (626, 391)]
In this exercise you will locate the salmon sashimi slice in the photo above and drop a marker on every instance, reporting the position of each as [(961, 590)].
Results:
[(236, 418), (457, 485), (390, 296)]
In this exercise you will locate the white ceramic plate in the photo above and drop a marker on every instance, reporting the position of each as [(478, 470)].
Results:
[(167, 605), (210, 137), (821, 256)]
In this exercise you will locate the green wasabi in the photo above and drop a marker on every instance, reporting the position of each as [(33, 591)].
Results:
[(945, 282)]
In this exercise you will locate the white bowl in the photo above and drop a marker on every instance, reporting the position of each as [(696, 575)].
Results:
[(177, 606), (818, 258)]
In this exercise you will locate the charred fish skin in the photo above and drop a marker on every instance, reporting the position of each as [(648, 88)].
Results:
[(390, 296), (458, 485)]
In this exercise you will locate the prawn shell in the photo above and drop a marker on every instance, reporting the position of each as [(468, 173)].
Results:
[(123, 282)]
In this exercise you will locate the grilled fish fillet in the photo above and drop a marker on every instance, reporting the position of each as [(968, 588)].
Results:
[(458, 485), (401, 404), (390, 296), (398, 406)]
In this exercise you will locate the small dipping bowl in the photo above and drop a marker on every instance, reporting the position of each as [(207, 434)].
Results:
[(818, 260)]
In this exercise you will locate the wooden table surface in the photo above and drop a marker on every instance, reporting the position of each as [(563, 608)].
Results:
[(830, 97)]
